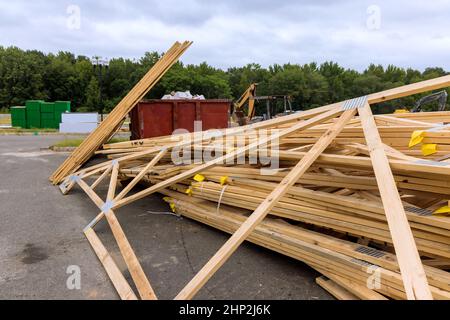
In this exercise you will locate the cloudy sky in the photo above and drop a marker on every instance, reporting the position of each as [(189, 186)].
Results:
[(236, 32)]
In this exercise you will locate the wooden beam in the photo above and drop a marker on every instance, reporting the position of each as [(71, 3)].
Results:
[(137, 273), (413, 274), (261, 212), (410, 89), (335, 290), (115, 275), (101, 178), (141, 174), (113, 181), (230, 156)]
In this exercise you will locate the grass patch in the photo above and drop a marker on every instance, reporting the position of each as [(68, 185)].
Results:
[(76, 142), (22, 130), (68, 143), (117, 140)]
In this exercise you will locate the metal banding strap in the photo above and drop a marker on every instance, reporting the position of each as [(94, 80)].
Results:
[(439, 128), (354, 103), (432, 163), (370, 252), (363, 263), (419, 211)]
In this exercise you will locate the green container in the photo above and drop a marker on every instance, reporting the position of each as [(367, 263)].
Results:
[(19, 117), (63, 106), (60, 108), (48, 124), (47, 116), (47, 107), (34, 105), (33, 113), (33, 119)]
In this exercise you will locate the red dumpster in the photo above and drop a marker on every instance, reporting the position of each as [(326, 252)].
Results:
[(156, 118)]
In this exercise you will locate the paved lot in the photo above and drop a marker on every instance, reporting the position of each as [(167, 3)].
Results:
[(41, 236)]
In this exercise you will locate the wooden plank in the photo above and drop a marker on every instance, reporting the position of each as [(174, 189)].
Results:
[(101, 178), (141, 174), (261, 212), (277, 236), (361, 292), (137, 273), (113, 182), (414, 278), (115, 118), (115, 275), (335, 290), (410, 89), (230, 156)]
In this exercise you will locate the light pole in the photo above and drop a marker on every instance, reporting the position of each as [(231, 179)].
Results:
[(100, 66)]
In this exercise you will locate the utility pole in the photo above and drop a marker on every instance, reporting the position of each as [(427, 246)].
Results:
[(101, 67)]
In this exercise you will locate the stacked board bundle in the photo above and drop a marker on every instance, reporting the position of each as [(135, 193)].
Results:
[(342, 190), (116, 118)]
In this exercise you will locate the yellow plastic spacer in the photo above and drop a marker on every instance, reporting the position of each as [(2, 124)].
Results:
[(429, 149), (167, 199), (416, 138), (199, 178), (189, 192), (444, 211), (223, 180), (172, 206)]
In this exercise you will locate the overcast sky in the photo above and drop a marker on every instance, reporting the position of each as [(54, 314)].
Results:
[(233, 33)]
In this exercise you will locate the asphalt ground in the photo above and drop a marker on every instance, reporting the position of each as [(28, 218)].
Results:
[(41, 240)]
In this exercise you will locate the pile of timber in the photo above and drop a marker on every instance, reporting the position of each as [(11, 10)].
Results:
[(355, 196), (116, 118)]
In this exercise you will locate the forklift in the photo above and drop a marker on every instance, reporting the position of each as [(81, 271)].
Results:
[(251, 97)]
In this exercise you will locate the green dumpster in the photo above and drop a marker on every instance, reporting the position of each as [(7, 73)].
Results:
[(47, 107), (33, 108), (60, 108), (19, 117)]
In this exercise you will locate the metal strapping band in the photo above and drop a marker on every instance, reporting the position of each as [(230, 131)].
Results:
[(419, 211), (432, 163), (438, 128), (363, 263), (370, 252), (220, 199)]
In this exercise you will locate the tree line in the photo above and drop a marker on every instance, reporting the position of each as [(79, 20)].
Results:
[(33, 75)]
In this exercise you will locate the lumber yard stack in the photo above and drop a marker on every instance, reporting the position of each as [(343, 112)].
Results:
[(351, 194), (334, 210), (116, 118)]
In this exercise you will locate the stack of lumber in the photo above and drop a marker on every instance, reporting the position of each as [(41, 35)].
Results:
[(350, 196), (115, 119)]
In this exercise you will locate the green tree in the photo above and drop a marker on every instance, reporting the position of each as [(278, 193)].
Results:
[(93, 96)]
